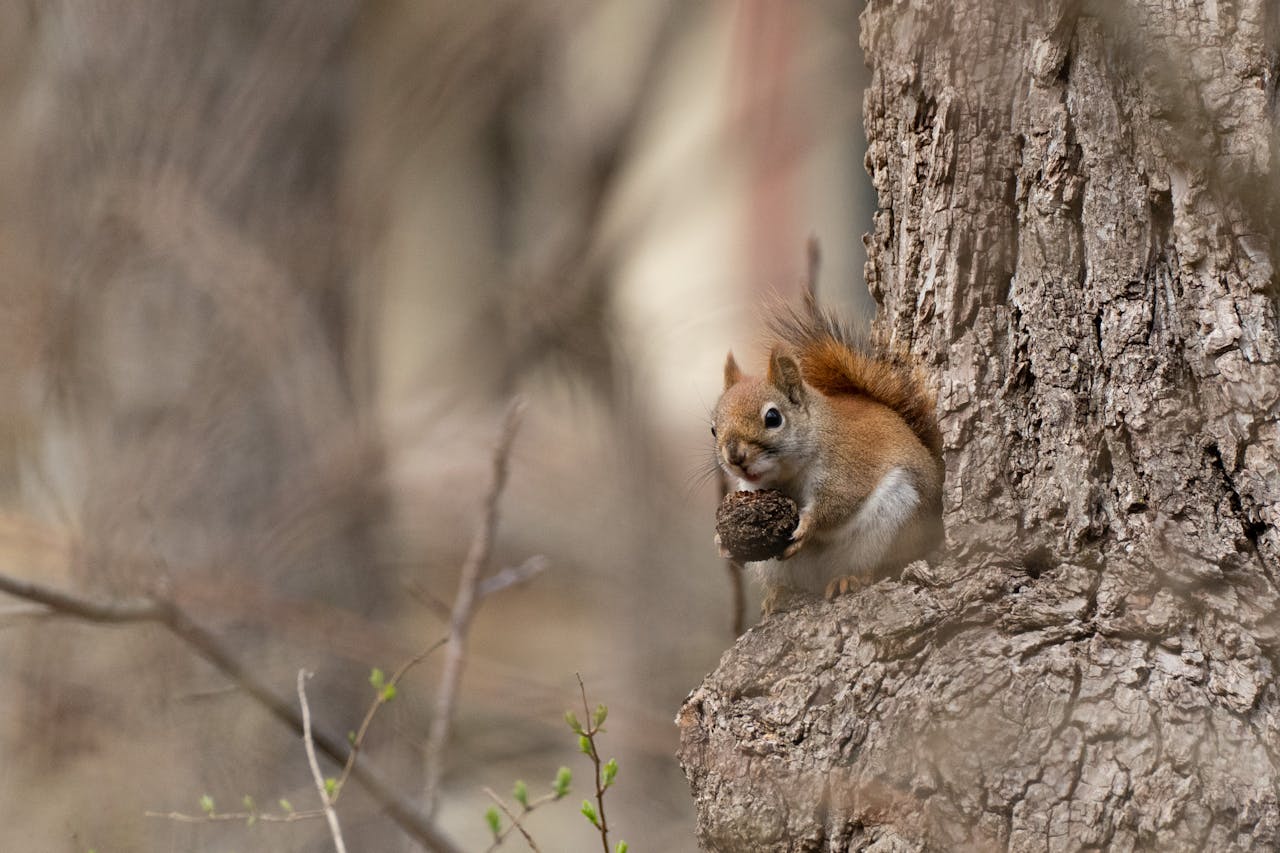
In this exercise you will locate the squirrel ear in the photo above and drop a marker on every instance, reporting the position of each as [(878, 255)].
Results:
[(784, 374), (732, 375)]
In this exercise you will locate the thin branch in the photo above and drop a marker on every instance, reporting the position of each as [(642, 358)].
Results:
[(85, 607), (378, 701), (533, 806), (591, 730), (204, 643), (813, 265), (508, 577), (330, 815), (515, 822), (219, 817), (514, 575), (464, 609), (425, 598)]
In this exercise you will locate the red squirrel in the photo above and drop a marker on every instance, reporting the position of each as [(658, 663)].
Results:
[(851, 437)]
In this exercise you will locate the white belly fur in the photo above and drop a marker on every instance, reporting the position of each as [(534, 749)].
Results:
[(857, 547)]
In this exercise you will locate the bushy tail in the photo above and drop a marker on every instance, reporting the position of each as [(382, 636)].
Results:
[(837, 360)]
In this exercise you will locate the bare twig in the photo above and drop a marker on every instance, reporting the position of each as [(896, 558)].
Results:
[(464, 609), (527, 808), (594, 755), (90, 609), (514, 575), (426, 599), (378, 701), (204, 643), (219, 817), (813, 265), (515, 822), (330, 815), (499, 581)]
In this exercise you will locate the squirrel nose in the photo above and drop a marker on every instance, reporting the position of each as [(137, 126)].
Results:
[(737, 454)]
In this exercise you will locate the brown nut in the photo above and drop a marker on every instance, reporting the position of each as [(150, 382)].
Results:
[(756, 526)]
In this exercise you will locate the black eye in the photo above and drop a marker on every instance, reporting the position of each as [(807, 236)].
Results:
[(713, 430), (772, 419)]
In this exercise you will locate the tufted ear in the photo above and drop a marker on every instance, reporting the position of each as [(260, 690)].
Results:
[(784, 374), (732, 375)]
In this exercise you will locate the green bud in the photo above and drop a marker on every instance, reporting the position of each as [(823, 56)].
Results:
[(351, 738), (521, 793), (589, 812), (622, 847), (597, 719), (564, 776), (377, 678), (286, 806), (330, 786), (206, 804), (584, 744), (492, 818), (572, 719), (610, 771), (249, 803), (388, 693)]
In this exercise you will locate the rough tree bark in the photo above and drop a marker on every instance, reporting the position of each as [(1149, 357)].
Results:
[(1076, 235)]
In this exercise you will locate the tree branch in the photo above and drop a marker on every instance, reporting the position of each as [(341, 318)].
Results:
[(335, 829), (464, 609), (377, 703), (85, 607), (204, 643), (515, 821)]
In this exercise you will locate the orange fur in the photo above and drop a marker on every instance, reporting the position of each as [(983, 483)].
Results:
[(835, 360)]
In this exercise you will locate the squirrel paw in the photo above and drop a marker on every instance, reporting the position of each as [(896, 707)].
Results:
[(844, 586), (798, 537), (724, 552)]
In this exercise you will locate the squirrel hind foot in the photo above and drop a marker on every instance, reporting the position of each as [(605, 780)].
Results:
[(845, 585)]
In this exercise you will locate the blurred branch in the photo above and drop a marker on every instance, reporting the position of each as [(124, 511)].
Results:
[(549, 310), (813, 266), (239, 817), (514, 575), (204, 643), (505, 579), (85, 607), (464, 608), (381, 698), (326, 799)]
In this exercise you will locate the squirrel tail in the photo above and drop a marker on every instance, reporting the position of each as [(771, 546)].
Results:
[(837, 360)]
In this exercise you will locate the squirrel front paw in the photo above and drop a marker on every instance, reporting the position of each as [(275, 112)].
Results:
[(724, 552), (799, 536)]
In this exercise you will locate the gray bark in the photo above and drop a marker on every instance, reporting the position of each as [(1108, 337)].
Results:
[(1075, 236)]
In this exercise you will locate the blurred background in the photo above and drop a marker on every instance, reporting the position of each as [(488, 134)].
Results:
[(269, 274)]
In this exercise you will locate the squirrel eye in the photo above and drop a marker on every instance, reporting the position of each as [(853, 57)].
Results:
[(713, 430), (772, 419)]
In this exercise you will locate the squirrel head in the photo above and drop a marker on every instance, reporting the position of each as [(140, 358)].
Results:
[(762, 427)]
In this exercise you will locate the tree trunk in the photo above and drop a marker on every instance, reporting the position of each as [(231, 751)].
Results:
[(1075, 236)]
